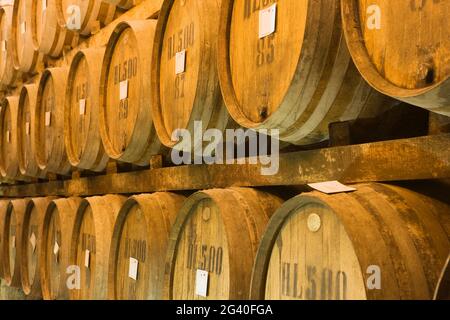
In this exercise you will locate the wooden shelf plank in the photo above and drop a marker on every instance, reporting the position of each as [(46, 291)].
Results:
[(398, 160)]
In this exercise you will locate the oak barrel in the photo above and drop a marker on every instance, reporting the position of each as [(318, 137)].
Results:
[(216, 233), (31, 246), (379, 242), (91, 244), (406, 59), (54, 258), (443, 288), (298, 79), (9, 165), (124, 4), (8, 74), (192, 93), (26, 125), (49, 29), (11, 232), (84, 16), (26, 55), (10, 293), (3, 209), (81, 133), (48, 133), (139, 245), (126, 125)]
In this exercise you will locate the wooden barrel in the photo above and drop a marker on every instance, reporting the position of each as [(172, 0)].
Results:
[(91, 242), (8, 74), (11, 232), (56, 241), (213, 244), (124, 4), (49, 128), (82, 137), (84, 16), (10, 293), (31, 246), (3, 208), (25, 52), (192, 93), (26, 124), (9, 164), (126, 125), (139, 245), (380, 242), (443, 288), (49, 28), (291, 80), (406, 59)]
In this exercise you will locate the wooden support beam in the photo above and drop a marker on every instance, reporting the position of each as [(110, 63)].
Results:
[(397, 160)]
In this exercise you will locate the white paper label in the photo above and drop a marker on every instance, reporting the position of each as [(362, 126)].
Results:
[(201, 283), (123, 89), (180, 62), (33, 241), (56, 248), (48, 118), (82, 103), (27, 128), (13, 241), (133, 268), (4, 45), (331, 187), (8, 136), (44, 5), (87, 256), (267, 21), (23, 27)]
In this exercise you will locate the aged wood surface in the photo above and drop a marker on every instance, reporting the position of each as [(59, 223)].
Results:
[(90, 244), (217, 231), (192, 93), (141, 232), (443, 287), (146, 9), (319, 246), (9, 167), (49, 130), (32, 229), (11, 233), (7, 72), (92, 13), (397, 160), (291, 80), (26, 56), (124, 4), (26, 124), (56, 241), (408, 60), (83, 143), (125, 119)]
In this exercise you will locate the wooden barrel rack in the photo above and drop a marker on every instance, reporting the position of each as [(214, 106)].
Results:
[(93, 205)]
